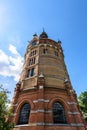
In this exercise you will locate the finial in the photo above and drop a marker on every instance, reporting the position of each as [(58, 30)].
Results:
[(41, 75), (66, 80), (35, 35), (43, 34), (59, 41), (43, 30)]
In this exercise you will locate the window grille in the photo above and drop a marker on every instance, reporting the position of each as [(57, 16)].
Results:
[(59, 113), (24, 114)]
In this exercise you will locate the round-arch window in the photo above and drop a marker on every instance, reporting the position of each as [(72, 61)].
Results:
[(24, 114), (59, 113)]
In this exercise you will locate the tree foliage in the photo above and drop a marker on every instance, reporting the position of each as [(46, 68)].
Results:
[(82, 99), (4, 111)]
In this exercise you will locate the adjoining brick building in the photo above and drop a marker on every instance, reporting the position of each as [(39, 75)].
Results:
[(44, 98)]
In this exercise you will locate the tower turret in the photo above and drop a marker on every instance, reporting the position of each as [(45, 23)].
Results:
[(44, 97)]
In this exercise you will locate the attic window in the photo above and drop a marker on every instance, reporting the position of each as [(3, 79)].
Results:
[(34, 43)]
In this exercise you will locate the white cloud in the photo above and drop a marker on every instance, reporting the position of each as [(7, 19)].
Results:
[(3, 58), (13, 49), (11, 65)]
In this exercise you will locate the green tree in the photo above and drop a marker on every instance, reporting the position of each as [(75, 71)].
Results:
[(82, 99), (4, 111)]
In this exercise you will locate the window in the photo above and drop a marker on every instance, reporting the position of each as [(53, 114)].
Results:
[(32, 72), (58, 113), (34, 43), (24, 114), (56, 53), (45, 51), (32, 61), (33, 53), (28, 73)]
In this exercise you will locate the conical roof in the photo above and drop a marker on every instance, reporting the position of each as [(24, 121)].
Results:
[(43, 35)]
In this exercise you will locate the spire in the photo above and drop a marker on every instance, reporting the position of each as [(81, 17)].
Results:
[(43, 30), (43, 34)]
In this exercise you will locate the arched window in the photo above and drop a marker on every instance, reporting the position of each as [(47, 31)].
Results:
[(32, 72), (28, 73), (24, 114), (58, 113), (45, 51)]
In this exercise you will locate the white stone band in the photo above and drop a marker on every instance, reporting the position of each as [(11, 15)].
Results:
[(74, 113), (40, 110), (71, 103), (40, 100), (50, 124), (80, 124)]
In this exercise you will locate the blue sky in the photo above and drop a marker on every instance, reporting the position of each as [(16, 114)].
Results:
[(65, 20)]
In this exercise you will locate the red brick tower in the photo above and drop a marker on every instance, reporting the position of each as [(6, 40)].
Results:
[(44, 98)]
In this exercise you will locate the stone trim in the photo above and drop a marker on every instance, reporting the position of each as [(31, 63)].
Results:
[(50, 124), (32, 47), (30, 77), (33, 112), (35, 101), (72, 103), (50, 111), (41, 110), (40, 100), (49, 55), (72, 124), (31, 124), (79, 124), (74, 113), (29, 88), (40, 123), (40, 87)]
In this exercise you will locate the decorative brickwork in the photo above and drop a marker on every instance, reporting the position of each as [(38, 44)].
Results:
[(45, 85)]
